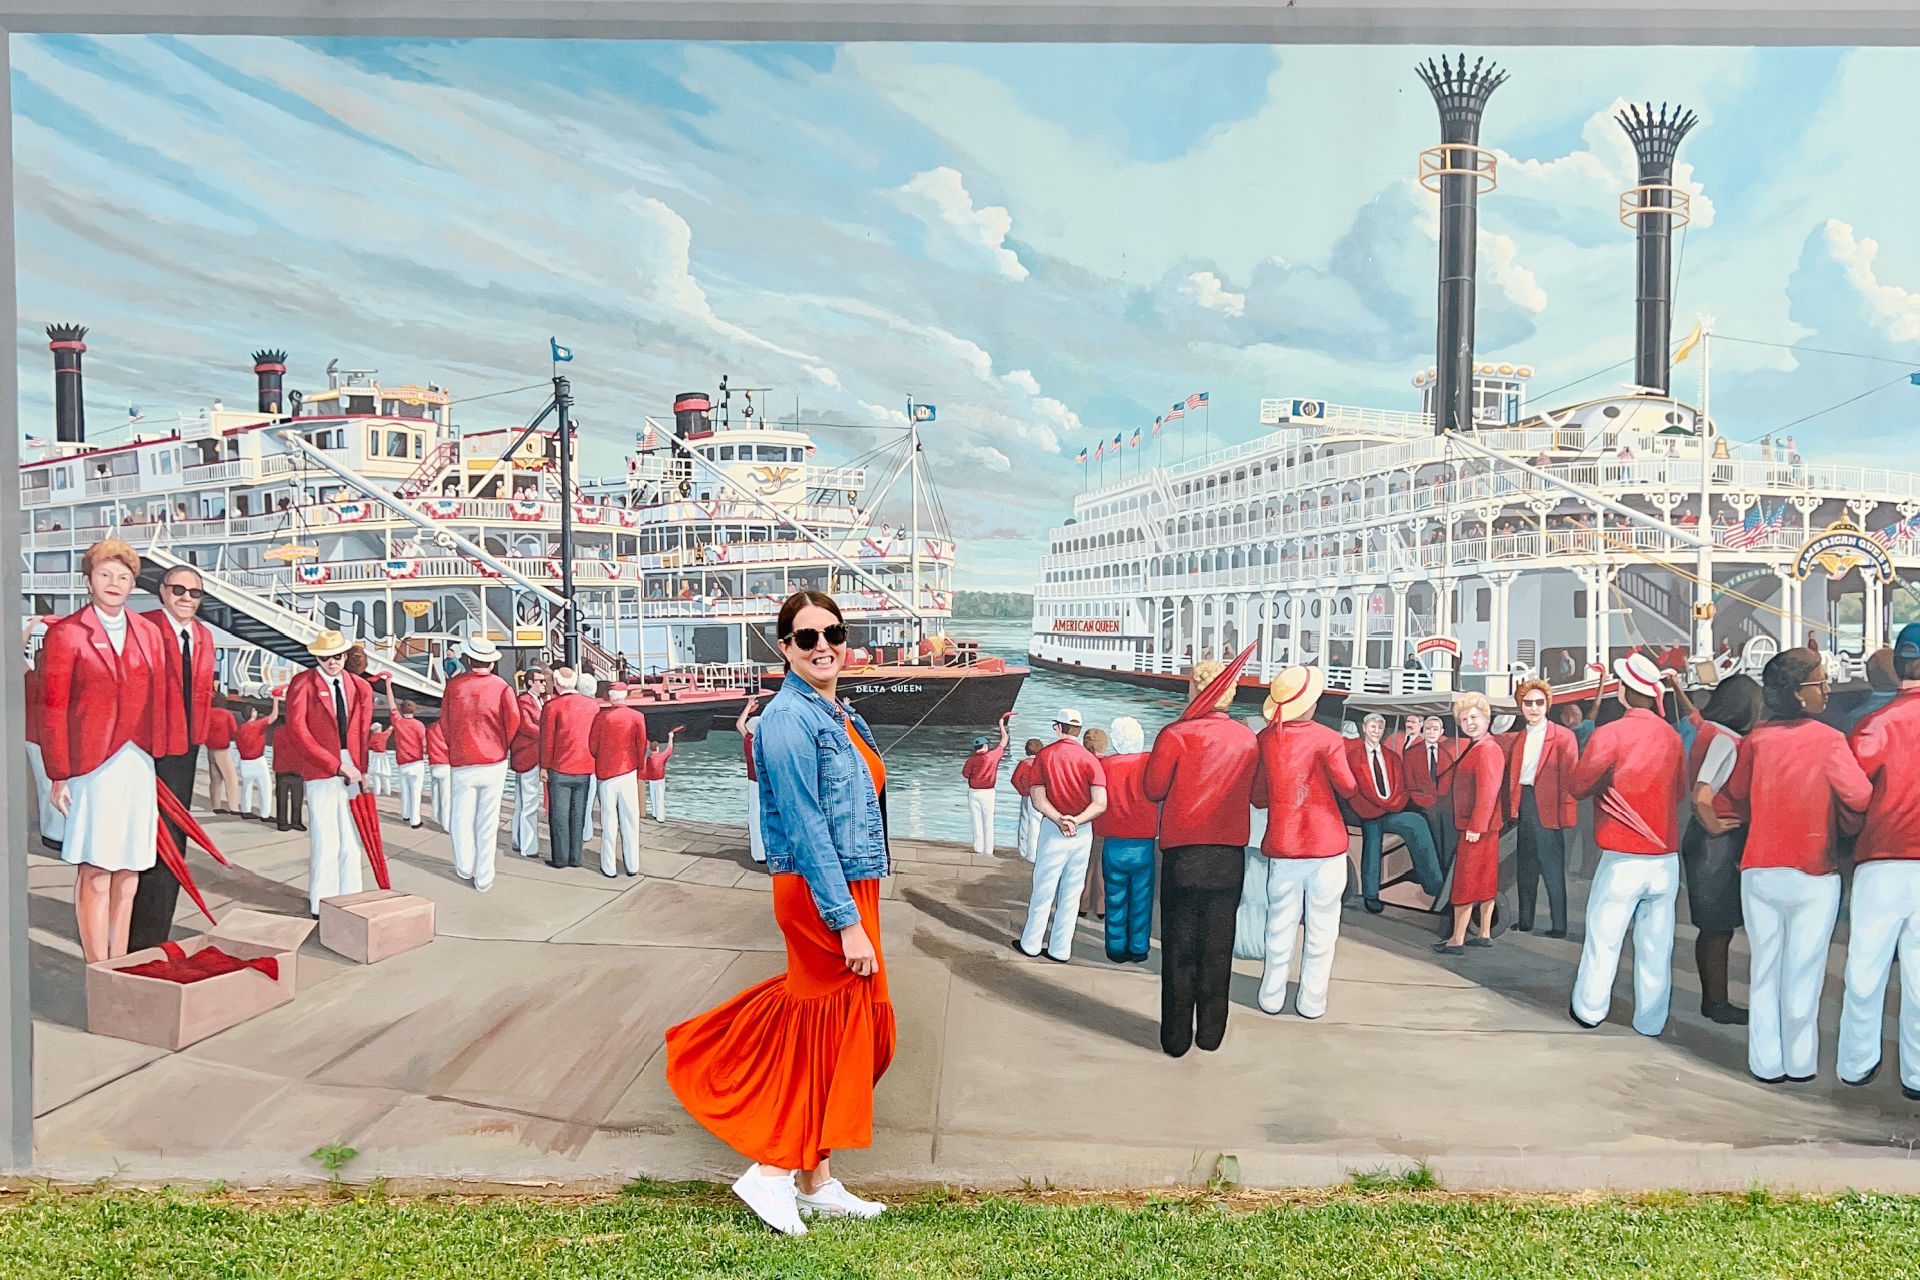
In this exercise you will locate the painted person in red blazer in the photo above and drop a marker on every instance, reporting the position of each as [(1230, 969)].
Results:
[(1300, 777), (565, 724), (1541, 757), (98, 673), (183, 712), (1635, 770), (329, 753), (618, 740), (482, 718), (1429, 766), (1127, 830), (1380, 808), (523, 763), (1479, 775), (1799, 789)]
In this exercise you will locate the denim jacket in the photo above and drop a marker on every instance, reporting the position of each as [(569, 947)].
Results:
[(819, 815)]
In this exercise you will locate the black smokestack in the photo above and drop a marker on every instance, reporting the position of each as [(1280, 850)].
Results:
[(1654, 209), (69, 399), (1455, 169), (692, 414), (270, 368)]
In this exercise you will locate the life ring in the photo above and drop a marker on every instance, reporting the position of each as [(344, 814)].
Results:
[(686, 488)]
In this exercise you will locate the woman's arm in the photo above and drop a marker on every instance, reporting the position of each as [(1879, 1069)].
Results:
[(790, 770)]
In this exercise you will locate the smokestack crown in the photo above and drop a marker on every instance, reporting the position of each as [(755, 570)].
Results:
[(1461, 94), (1656, 138)]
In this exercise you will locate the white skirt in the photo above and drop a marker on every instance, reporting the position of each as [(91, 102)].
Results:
[(113, 821)]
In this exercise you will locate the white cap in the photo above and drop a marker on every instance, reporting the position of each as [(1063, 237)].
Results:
[(1067, 716), (479, 649), (586, 684)]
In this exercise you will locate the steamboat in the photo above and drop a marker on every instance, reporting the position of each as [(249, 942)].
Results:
[(1474, 539), (363, 507)]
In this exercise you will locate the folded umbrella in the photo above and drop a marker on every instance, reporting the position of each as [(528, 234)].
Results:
[(1615, 806), (173, 811), (1204, 702), (366, 820), (176, 862)]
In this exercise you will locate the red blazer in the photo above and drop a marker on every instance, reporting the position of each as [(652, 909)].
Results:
[(92, 700), (220, 728), (1200, 771), (171, 730), (653, 765), (525, 751), (1798, 789), (482, 717), (1639, 756), (251, 738), (618, 741), (1552, 779), (1366, 800), (409, 740), (33, 704), (1426, 786), (1023, 776), (1129, 814), (1300, 769), (436, 742), (565, 724), (1478, 776), (1883, 745), (309, 742)]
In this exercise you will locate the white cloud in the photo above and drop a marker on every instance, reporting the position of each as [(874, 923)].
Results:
[(943, 193), (1593, 178), (1895, 310), (1023, 379), (825, 376), (986, 455), (1500, 258), (1205, 288), (666, 277)]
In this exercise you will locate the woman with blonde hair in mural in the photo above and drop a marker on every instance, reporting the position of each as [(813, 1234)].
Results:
[(1477, 777), (98, 673), (784, 1072)]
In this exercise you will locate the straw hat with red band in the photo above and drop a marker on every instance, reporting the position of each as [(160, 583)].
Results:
[(329, 644), (1637, 672), (1293, 694)]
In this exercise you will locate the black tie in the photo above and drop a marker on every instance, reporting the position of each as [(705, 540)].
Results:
[(1433, 762), (186, 679), (340, 712), (1379, 774)]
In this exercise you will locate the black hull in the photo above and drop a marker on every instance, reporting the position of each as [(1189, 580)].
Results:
[(695, 720), (896, 698), (1249, 694)]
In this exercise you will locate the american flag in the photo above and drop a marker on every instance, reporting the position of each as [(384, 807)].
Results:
[(1178, 411), (1754, 529), (1157, 424), (1081, 457), (1198, 400), (1135, 442), (1116, 442), (1100, 451)]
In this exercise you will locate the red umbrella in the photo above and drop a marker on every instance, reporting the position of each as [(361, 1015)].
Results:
[(173, 811), (1209, 697), (170, 854), (366, 820), (1615, 806)]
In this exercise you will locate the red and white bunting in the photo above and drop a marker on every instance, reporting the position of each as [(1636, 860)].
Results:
[(529, 509), (312, 575), (442, 508), (352, 512), (402, 569)]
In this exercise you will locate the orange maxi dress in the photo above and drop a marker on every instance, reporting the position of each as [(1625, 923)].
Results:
[(784, 1072)]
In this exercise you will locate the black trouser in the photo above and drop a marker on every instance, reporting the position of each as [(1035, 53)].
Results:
[(1199, 892), (1540, 853), (159, 891), (1446, 840), (289, 797), (566, 817)]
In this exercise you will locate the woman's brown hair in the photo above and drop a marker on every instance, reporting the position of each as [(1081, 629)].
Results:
[(109, 549), (791, 610)]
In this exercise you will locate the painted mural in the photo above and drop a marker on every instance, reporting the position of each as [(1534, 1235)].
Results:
[(1463, 710)]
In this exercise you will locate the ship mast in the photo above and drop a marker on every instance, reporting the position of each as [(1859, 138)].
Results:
[(913, 467)]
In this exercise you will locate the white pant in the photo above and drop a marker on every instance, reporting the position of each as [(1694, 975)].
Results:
[(1059, 873), (980, 805), (474, 819), (756, 844), (526, 813), (333, 845), (1883, 917), (412, 775), (657, 798), (593, 805), (440, 787), (1790, 918), (620, 822), (380, 767), (1637, 890), (1297, 887), (53, 824), (1029, 828), (256, 788)]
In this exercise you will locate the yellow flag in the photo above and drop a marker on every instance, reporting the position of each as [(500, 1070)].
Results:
[(1686, 347)]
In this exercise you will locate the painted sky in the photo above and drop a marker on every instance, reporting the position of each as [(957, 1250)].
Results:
[(1051, 243)]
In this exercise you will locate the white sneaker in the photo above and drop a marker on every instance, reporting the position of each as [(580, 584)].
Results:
[(832, 1200), (774, 1200)]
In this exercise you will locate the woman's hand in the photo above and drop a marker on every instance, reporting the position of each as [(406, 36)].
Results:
[(60, 798), (1715, 825), (858, 949), (1471, 837)]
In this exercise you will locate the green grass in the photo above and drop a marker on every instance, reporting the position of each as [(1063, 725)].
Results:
[(656, 1230)]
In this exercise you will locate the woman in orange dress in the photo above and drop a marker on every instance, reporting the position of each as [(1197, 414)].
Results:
[(784, 1072)]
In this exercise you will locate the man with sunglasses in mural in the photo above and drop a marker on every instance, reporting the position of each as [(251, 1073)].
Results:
[(182, 716)]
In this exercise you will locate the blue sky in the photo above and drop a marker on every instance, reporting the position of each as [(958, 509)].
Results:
[(1051, 243)]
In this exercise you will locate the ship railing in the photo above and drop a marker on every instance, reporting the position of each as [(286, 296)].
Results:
[(102, 486)]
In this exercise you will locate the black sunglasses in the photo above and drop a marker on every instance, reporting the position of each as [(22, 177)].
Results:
[(190, 593), (806, 639)]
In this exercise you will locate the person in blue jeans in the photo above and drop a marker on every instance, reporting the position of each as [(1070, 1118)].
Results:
[(1381, 809), (1128, 828)]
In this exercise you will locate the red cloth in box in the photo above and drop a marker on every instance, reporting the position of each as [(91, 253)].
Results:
[(208, 962)]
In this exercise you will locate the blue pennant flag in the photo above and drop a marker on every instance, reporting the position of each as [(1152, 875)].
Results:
[(1914, 378), (560, 353)]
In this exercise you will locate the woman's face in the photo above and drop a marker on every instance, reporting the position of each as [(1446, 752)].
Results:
[(110, 584), (1813, 693), (1473, 721), (819, 665)]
